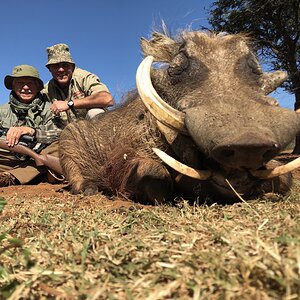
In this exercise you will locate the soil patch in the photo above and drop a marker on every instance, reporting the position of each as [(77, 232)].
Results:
[(60, 192)]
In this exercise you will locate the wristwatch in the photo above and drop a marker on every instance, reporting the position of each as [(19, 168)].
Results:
[(71, 104)]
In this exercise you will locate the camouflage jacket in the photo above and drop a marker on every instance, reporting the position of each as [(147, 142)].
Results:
[(83, 84), (47, 131)]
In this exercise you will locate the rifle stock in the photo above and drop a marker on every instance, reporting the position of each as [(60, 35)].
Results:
[(49, 161)]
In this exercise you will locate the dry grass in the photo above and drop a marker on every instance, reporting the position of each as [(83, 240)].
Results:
[(83, 249)]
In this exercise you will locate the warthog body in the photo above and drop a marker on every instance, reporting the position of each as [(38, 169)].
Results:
[(231, 126)]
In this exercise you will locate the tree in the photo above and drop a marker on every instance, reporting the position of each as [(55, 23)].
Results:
[(275, 25)]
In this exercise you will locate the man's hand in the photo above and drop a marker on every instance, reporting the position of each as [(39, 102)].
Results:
[(59, 106), (14, 133)]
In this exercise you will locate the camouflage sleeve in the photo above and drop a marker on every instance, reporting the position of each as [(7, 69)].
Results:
[(47, 133), (49, 130)]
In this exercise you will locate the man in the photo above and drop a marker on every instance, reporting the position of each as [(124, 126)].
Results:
[(26, 113), (73, 92)]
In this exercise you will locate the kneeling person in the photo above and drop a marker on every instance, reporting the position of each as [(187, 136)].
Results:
[(74, 93), (26, 113)]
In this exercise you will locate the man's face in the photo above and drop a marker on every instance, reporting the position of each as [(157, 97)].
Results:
[(26, 88), (62, 73)]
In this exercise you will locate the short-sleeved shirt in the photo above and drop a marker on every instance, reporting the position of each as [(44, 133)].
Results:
[(82, 84)]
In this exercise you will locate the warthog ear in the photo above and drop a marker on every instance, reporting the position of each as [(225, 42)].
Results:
[(271, 81), (160, 46)]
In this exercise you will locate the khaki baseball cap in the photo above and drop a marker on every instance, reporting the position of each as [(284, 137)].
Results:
[(59, 53), (23, 71)]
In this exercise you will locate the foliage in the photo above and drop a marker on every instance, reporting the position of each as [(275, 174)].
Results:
[(274, 24)]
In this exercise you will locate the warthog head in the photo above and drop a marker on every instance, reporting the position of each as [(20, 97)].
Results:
[(211, 92)]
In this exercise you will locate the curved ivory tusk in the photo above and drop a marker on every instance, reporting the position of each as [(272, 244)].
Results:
[(182, 168), (157, 107), (281, 170)]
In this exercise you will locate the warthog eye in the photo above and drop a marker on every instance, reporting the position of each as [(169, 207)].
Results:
[(141, 117)]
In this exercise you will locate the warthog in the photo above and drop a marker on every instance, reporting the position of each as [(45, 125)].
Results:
[(200, 125)]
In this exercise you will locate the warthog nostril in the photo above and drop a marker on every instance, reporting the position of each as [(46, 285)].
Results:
[(270, 153), (224, 154), (227, 153)]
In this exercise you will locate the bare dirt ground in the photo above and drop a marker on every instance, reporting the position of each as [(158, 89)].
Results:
[(60, 191)]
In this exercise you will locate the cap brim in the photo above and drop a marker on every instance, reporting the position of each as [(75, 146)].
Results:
[(8, 82), (41, 83), (53, 62)]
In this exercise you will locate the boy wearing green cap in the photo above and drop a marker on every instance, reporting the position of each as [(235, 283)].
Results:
[(26, 113), (74, 93)]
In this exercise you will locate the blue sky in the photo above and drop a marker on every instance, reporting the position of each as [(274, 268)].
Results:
[(103, 36)]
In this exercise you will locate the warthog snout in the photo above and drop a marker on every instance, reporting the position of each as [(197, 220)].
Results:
[(246, 152)]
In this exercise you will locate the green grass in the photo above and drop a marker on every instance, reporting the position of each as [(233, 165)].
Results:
[(81, 248)]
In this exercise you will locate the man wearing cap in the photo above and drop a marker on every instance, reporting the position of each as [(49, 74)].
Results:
[(74, 93), (26, 113)]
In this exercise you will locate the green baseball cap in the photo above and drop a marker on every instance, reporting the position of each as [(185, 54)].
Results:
[(59, 53), (23, 71)]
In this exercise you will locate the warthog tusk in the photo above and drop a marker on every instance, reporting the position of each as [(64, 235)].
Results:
[(157, 107), (182, 168), (169, 134), (281, 170)]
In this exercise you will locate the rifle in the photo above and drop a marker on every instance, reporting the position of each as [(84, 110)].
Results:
[(24, 148)]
